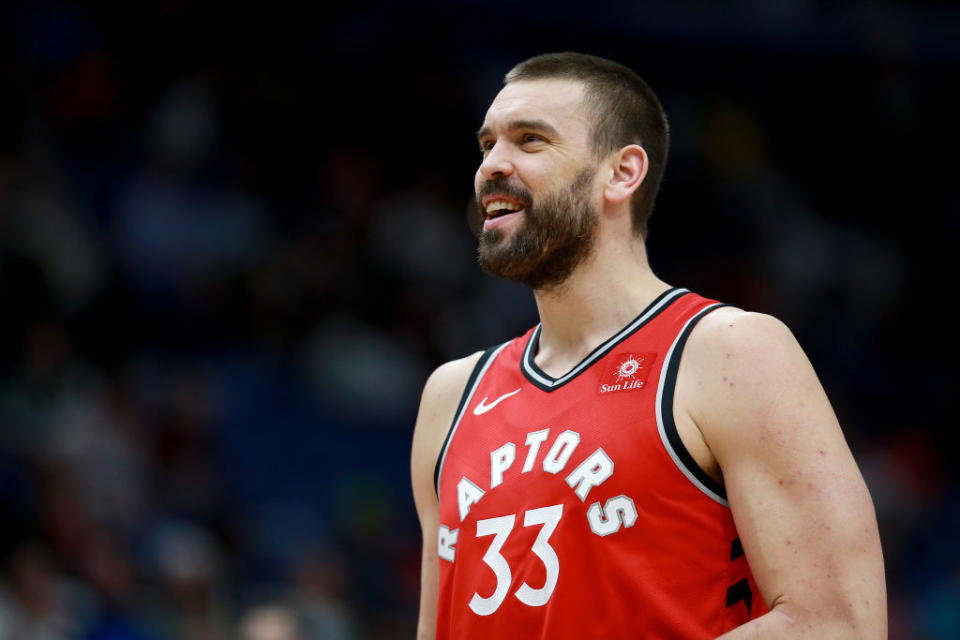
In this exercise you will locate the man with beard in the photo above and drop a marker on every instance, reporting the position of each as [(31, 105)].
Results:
[(584, 480)]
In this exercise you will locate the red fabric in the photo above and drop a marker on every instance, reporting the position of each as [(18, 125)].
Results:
[(667, 576)]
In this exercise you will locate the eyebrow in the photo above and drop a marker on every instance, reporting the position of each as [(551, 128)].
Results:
[(532, 125)]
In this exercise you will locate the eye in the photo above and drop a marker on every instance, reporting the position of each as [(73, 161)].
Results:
[(531, 138), (486, 146)]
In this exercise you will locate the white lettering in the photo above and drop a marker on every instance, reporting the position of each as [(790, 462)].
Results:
[(592, 472), (445, 542), (467, 494), (560, 452), (499, 528), (618, 511), (549, 517), (500, 461), (534, 440)]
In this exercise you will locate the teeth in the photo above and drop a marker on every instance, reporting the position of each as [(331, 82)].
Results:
[(500, 205)]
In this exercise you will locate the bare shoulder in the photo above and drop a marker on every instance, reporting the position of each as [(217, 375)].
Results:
[(800, 505), (729, 332), (442, 392), (449, 376), (742, 364), (441, 395)]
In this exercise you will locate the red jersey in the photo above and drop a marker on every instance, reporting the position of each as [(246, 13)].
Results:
[(569, 507)]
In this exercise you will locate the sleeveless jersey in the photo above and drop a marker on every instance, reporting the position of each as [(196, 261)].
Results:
[(570, 508)]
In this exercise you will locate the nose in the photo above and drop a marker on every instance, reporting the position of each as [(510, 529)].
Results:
[(496, 164)]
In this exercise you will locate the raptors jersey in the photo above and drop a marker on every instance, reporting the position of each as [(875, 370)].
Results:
[(569, 507)]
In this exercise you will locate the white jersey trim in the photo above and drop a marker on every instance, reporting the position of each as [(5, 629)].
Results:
[(600, 351)]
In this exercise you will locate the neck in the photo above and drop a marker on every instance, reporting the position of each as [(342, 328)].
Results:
[(612, 286)]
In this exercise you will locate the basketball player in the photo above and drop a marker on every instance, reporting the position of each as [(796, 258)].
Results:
[(644, 463)]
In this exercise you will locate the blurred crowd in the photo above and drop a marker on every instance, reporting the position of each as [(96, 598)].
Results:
[(232, 247)]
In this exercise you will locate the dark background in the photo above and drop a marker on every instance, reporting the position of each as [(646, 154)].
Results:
[(233, 245)]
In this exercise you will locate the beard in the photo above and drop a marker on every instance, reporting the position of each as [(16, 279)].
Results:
[(553, 238)]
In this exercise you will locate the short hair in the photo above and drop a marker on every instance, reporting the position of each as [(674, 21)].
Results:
[(626, 111)]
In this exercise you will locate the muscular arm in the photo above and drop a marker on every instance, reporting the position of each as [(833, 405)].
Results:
[(440, 397), (800, 505)]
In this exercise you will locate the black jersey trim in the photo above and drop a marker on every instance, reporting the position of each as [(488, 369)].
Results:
[(665, 420), (473, 382), (546, 382)]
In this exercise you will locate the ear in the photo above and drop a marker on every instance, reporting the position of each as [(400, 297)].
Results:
[(628, 169)]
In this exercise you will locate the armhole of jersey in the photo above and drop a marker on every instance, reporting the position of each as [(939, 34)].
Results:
[(473, 381), (665, 420)]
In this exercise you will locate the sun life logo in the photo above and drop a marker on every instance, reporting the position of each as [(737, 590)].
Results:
[(627, 371), (629, 367)]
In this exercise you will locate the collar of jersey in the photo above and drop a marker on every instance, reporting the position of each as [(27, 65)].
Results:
[(545, 381)]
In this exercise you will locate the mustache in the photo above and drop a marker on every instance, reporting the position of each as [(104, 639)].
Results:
[(504, 186), (475, 211)]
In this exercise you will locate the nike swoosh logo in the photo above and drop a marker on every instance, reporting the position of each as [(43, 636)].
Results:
[(482, 408)]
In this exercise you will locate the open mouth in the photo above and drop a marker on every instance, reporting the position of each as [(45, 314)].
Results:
[(499, 210)]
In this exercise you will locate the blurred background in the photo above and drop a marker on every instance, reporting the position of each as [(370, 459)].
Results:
[(233, 244)]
